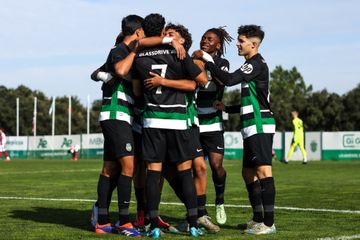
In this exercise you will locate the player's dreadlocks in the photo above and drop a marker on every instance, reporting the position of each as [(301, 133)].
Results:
[(224, 37)]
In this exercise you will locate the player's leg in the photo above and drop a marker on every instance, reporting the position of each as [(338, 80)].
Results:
[(262, 147), (139, 182), (213, 144), (125, 156), (153, 193), (106, 183), (252, 184), (199, 168), (154, 147), (178, 152), (190, 198), (302, 149), (100, 216), (291, 151)]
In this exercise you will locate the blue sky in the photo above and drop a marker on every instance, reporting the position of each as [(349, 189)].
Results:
[(53, 46)]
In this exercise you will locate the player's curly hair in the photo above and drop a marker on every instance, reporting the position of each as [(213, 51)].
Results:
[(251, 31), (153, 25), (130, 24), (223, 36), (184, 33)]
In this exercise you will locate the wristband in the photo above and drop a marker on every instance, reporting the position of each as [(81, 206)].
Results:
[(104, 76), (167, 40), (207, 57)]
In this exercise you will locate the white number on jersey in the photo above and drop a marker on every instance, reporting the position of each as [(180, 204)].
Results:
[(163, 68)]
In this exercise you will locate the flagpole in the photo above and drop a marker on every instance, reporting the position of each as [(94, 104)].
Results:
[(17, 116), (53, 117), (35, 116), (69, 119), (88, 115)]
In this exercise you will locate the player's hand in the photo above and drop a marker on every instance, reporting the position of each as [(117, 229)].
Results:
[(180, 50), (219, 105), (198, 54), (154, 82), (134, 46), (200, 64)]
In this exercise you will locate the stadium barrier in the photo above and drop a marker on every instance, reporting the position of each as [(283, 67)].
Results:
[(319, 145)]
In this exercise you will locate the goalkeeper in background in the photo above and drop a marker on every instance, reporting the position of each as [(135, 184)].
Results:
[(298, 138)]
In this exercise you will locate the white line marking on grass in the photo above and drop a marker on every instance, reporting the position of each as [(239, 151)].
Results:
[(341, 238), (180, 204), (58, 171)]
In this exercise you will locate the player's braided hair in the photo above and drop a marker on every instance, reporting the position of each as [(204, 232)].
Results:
[(184, 33), (153, 24), (223, 36), (251, 31)]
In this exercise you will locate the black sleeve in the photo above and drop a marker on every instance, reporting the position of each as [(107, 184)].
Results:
[(233, 109), (246, 73), (102, 68), (190, 67), (119, 53)]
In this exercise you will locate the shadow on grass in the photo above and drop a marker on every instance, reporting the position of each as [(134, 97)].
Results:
[(74, 218)]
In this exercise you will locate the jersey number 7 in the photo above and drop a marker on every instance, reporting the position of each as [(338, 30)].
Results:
[(163, 68)]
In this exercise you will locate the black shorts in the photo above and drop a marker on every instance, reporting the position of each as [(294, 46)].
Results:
[(137, 144), (258, 150), (195, 145), (212, 142), (118, 139), (160, 145)]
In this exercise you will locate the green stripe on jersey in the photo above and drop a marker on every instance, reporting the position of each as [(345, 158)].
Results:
[(163, 115)]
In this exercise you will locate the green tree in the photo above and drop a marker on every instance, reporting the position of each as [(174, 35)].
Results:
[(351, 114), (323, 112), (94, 116), (288, 92)]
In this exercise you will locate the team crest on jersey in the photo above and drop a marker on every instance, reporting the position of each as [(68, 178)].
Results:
[(247, 68), (128, 147)]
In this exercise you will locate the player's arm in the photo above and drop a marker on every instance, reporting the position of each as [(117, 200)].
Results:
[(228, 109), (101, 75), (195, 70), (123, 66), (155, 41), (230, 79), (157, 81), (202, 78)]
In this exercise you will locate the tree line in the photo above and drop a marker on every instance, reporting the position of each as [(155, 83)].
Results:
[(320, 110)]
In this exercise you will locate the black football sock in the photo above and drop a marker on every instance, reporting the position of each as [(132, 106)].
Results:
[(153, 196), (254, 193), (113, 185), (201, 199), (124, 195), (103, 189), (175, 184), (268, 199), (188, 189), (219, 183), (139, 194)]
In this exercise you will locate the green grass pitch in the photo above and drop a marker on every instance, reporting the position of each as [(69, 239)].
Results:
[(48, 199)]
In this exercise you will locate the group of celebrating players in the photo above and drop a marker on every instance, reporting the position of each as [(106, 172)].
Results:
[(162, 113)]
